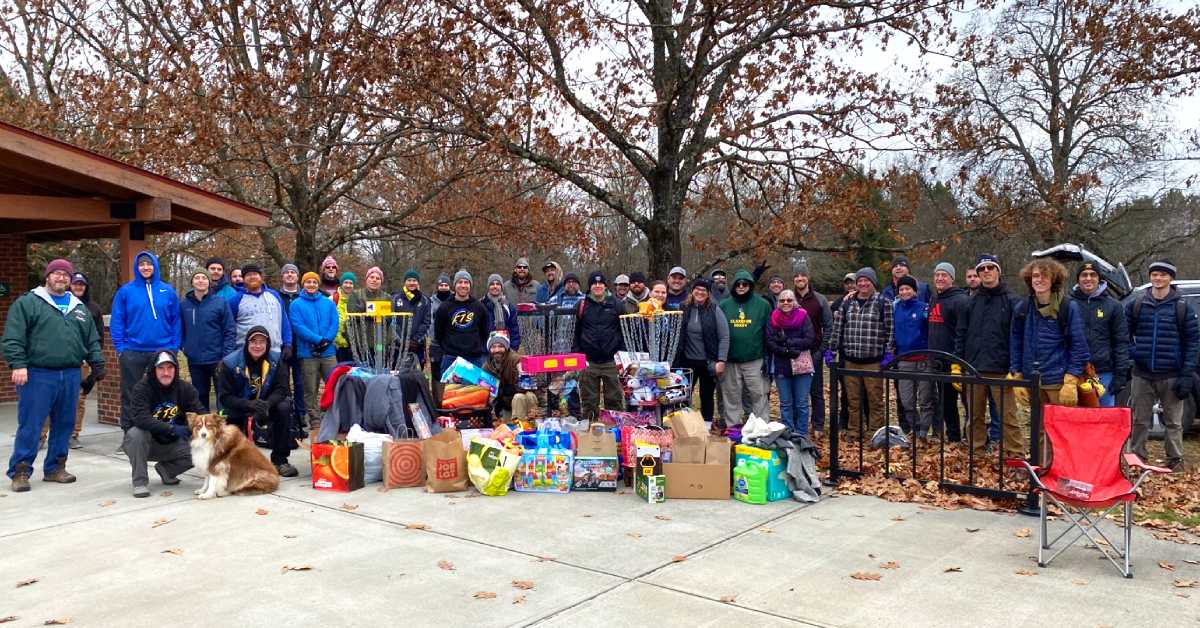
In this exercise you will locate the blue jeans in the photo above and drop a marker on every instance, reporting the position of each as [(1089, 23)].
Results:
[(52, 393), (793, 400), (448, 359), (1108, 400), (994, 423)]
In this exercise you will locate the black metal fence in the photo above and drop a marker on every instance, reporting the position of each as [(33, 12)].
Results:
[(967, 466)]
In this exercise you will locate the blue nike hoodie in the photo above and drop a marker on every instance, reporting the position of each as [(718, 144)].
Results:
[(145, 313)]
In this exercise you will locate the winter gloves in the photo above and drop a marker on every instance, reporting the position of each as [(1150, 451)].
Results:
[(828, 355), (956, 369), (888, 358), (1119, 382), (1068, 395), (286, 355), (1184, 386)]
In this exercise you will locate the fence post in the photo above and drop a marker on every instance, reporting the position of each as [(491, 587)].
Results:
[(1030, 507), (834, 423)]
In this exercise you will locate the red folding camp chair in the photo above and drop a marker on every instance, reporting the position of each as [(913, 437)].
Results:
[(1085, 477)]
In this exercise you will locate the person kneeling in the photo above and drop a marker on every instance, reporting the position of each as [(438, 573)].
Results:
[(159, 403), (511, 401), (251, 390)]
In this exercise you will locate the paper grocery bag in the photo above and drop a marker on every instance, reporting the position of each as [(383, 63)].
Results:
[(445, 462), (719, 450), (687, 423), (688, 450), (596, 442), (403, 464)]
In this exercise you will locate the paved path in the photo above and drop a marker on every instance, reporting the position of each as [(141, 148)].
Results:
[(593, 559)]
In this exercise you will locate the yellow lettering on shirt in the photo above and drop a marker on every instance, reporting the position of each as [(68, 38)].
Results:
[(741, 322)]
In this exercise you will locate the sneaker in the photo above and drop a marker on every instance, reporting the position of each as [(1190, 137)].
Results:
[(74, 443), (286, 470), (60, 476), (167, 480), (20, 480), (141, 491)]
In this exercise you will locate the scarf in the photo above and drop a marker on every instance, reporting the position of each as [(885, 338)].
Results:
[(788, 320), (411, 296), (443, 295), (498, 304), (1050, 310)]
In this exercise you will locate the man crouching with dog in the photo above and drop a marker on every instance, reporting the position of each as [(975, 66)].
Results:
[(252, 389), (158, 427)]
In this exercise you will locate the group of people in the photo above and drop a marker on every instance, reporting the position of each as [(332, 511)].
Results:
[(267, 351)]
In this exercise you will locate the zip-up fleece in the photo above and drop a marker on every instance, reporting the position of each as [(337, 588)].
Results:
[(38, 334), (208, 330), (145, 313)]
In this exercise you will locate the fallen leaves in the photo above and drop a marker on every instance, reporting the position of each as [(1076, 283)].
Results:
[(1166, 566), (891, 564), (973, 530), (546, 559), (954, 569), (160, 522), (25, 583), (484, 595), (866, 575), (415, 526), (899, 518), (728, 599), (174, 551), (663, 517), (446, 565), (766, 530), (1026, 572), (1182, 583), (633, 535), (1080, 581), (166, 494), (108, 502), (57, 622), (1023, 533), (261, 512), (348, 507), (678, 558), (520, 599), (523, 585), (287, 568), (289, 536)]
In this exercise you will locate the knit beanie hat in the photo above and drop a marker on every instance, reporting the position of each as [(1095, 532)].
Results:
[(329, 260), (869, 273), (310, 275), (495, 278), (251, 267), (198, 271), (214, 260), (1085, 266), (412, 274), (443, 278), (637, 276), (701, 282), (596, 277), (289, 266), (1162, 265), (376, 270), (462, 275), (349, 275), (497, 338), (66, 267), (987, 258), (900, 261), (945, 267), (907, 280)]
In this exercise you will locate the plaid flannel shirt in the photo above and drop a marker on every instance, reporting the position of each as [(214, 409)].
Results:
[(861, 332)]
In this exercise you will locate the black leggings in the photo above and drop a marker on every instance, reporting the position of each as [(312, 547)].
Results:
[(708, 384)]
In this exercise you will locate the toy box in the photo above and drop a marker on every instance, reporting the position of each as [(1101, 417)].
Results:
[(553, 363), (464, 372)]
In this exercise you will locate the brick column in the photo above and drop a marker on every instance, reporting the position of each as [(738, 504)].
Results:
[(15, 272), (108, 392)]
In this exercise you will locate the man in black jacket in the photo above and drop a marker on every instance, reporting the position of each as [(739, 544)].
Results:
[(157, 427), (460, 325), (946, 307), (1106, 330), (598, 336), (982, 339), (409, 299), (253, 387)]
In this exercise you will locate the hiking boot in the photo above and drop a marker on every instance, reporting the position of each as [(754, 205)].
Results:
[(59, 475), (74, 443), (141, 491), (1176, 466), (286, 470), (20, 479), (167, 480)]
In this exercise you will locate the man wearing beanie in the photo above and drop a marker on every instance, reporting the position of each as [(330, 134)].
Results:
[(1165, 345), (209, 334), (442, 294), (982, 339), (521, 287), (461, 325), (947, 305), (49, 332), (747, 315), (502, 315), (511, 401), (863, 333), (638, 290), (409, 299), (219, 278), (900, 269), (145, 320), (1106, 331), (330, 281), (571, 294), (598, 336), (82, 291)]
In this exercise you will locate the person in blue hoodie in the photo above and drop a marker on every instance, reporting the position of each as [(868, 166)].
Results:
[(259, 305), (208, 333), (145, 320), (911, 317), (220, 281), (314, 320)]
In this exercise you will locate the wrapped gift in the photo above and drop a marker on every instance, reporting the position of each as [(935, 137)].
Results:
[(337, 465)]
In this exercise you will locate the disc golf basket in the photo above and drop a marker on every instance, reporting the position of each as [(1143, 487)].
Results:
[(379, 337), (656, 335), (546, 330)]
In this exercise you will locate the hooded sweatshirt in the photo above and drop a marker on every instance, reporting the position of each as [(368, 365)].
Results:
[(97, 314), (439, 297), (548, 292), (208, 329), (242, 379), (461, 328), (145, 313), (314, 320), (161, 410), (265, 309), (748, 316), (1106, 330)]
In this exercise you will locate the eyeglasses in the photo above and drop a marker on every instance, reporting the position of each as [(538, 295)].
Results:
[(787, 300), (522, 268), (988, 269)]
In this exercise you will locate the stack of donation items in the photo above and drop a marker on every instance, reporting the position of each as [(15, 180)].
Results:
[(699, 465), (648, 383), (774, 463)]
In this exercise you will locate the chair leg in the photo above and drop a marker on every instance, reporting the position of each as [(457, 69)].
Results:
[(1128, 573), (1043, 541)]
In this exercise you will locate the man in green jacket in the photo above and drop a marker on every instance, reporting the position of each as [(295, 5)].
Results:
[(748, 315), (48, 334)]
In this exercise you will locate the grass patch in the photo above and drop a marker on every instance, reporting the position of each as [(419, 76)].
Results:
[(1191, 521)]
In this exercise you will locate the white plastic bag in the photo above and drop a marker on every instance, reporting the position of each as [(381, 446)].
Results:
[(372, 452)]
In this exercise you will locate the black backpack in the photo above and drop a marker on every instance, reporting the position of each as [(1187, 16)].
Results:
[(1180, 312)]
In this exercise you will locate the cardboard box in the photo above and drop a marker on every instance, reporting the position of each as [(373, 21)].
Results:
[(699, 468), (595, 473)]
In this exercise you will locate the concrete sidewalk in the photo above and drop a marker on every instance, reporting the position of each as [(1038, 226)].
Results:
[(592, 559)]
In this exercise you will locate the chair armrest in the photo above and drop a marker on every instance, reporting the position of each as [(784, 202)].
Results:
[(1018, 463), (1133, 461)]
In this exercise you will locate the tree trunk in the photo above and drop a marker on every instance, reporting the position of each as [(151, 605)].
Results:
[(665, 244)]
